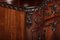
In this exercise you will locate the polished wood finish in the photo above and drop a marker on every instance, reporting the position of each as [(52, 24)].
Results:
[(11, 24)]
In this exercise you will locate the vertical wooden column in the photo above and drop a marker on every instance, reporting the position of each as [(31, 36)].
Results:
[(49, 33), (10, 23), (49, 29), (2, 23), (20, 21)]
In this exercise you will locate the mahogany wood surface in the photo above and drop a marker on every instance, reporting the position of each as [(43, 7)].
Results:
[(11, 24)]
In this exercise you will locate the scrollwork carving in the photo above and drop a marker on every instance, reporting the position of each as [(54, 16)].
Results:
[(29, 12)]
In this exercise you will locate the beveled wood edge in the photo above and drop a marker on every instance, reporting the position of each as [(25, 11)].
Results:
[(16, 7), (3, 4)]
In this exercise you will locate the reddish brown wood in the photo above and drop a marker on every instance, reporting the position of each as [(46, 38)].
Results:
[(12, 24)]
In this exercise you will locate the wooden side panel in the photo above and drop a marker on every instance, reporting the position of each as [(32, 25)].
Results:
[(2, 23), (12, 26), (20, 25), (10, 23)]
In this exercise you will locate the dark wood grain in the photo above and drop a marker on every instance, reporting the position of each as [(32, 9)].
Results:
[(11, 24)]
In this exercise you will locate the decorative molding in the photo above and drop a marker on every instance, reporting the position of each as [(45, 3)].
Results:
[(3, 4), (29, 12)]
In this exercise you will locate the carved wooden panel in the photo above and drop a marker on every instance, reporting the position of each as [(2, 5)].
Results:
[(45, 22), (40, 22)]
